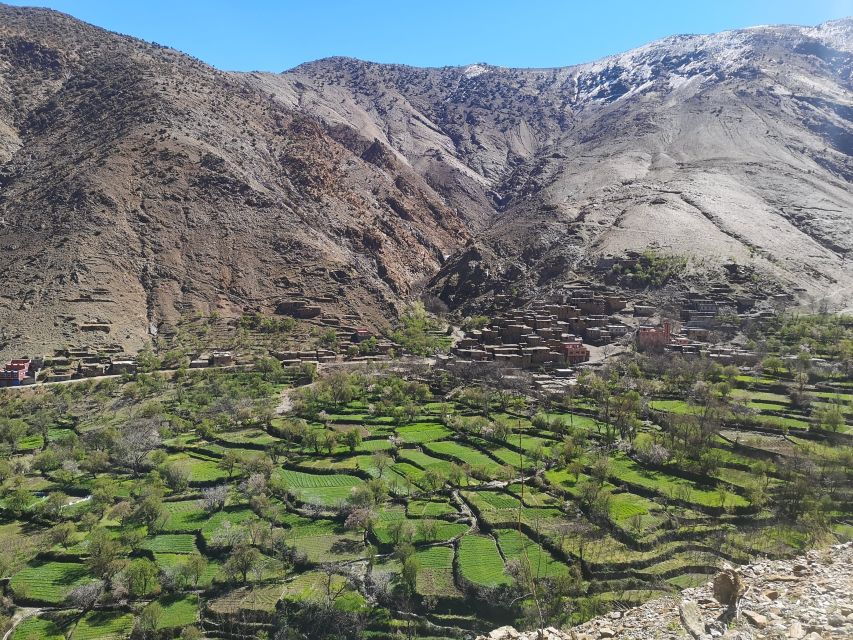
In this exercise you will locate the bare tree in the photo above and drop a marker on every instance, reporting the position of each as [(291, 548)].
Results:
[(138, 439), (213, 498), (86, 596)]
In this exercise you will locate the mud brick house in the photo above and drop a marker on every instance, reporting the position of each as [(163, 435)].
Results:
[(122, 366), (360, 335), (650, 338), (298, 309), (222, 359)]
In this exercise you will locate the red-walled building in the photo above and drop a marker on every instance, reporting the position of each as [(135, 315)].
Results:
[(575, 352), (653, 338)]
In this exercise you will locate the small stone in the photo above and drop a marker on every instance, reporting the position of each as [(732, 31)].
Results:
[(755, 619), (606, 632), (615, 615), (814, 635), (772, 594), (796, 631), (836, 620)]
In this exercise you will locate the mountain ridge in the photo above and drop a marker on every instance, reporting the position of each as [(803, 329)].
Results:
[(138, 184)]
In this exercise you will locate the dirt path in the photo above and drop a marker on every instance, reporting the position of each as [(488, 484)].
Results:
[(18, 617)]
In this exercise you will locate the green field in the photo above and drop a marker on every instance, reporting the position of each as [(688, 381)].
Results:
[(435, 575), (171, 543), (178, 611), (38, 628), (420, 433), (480, 562), (323, 489), (464, 455), (538, 562), (103, 625), (49, 582)]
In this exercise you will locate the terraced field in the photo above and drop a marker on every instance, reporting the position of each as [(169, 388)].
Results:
[(520, 548), (103, 625), (322, 489), (422, 502), (435, 575), (480, 562), (464, 455), (48, 582)]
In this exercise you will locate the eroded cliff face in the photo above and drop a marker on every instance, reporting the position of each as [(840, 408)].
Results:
[(809, 598), (137, 184)]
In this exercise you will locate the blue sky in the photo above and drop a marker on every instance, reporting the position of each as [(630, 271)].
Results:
[(276, 35)]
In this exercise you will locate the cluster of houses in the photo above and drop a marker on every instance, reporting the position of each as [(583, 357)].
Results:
[(548, 334), (78, 362), (700, 315)]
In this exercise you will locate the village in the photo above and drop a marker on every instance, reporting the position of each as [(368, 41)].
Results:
[(578, 325)]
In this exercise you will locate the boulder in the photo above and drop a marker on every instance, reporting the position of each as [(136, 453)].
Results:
[(728, 587)]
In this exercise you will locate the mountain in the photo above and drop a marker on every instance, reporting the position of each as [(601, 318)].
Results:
[(734, 146), (138, 184)]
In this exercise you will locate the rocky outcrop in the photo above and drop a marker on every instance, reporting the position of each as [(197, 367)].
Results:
[(808, 598)]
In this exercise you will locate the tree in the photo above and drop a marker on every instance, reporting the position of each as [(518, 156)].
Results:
[(330, 441), (400, 531), (141, 576), (312, 441), (105, 554), (213, 498), (11, 431), (228, 462), (62, 534), (86, 596), (18, 500), (830, 418), (352, 438), (361, 520), (339, 387), (148, 621), (381, 461), (95, 462), (150, 512), (138, 439), (434, 479), (193, 568), (241, 561), (409, 574), (176, 477), (52, 505), (772, 365)]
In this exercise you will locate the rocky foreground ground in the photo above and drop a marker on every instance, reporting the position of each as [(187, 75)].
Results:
[(807, 598)]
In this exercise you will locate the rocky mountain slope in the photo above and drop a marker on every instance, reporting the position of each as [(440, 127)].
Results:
[(137, 183), (729, 146), (808, 598)]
